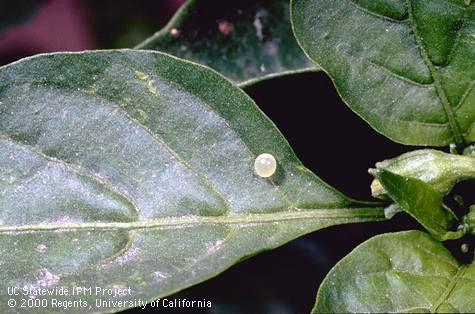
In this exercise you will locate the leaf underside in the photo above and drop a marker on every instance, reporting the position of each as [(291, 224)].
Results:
[(247, 41), (135, 168), (398, 273), (407, 67)]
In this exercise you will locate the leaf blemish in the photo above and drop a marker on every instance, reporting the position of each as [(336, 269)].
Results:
[(142, 116), (159, 276), (126, 101), (141, 76), (47, 279), (41, 248), (212, 247), (151, 87)]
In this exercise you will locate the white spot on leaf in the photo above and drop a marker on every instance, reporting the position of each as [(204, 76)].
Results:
[(46, 279), (159, 276), (41, 248), (213, 247)]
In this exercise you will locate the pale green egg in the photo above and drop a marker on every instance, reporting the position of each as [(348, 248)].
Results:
[(265, 165)]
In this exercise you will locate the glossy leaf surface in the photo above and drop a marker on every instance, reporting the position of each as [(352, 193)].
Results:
[(398, 273), (407, 67), (245, 40), (136, 169)]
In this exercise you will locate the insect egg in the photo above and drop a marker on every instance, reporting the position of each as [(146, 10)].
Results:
[(265, 165)]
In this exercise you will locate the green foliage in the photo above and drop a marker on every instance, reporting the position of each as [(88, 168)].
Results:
[(398, 273), (246, 40), (440, 170), (150, 175), (421, 201), (134, 168), (405, 66), (417, 181)]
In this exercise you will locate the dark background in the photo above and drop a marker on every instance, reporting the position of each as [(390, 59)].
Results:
[(327, 136)]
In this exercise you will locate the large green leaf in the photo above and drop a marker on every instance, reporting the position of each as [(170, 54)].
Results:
[(405, 66), (398, 273), (246, 40), (134, 168)]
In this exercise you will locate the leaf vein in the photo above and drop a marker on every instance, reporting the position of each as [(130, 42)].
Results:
[(73, 168), (162, 142), (401, 77), (465, 95), (437, 257), (466, 9), (437, 81), (385, 272), (450, 287), (350, 214), (380, 16)]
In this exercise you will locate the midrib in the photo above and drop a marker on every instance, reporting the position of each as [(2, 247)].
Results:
[(367, 214), (450, 287), (449, 112)]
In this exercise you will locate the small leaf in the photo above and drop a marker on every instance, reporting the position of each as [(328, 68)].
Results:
[(441, 170), (421, 201), (247, 41), (407, 67), (398, 273), (136, 169)]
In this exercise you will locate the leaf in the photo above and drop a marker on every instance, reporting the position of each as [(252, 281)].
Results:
[(441, 170), (15, 12), (135, 169), (421, 201), (246, 40), (469, 150), (398, 273), (407, 67), (468, 221)]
